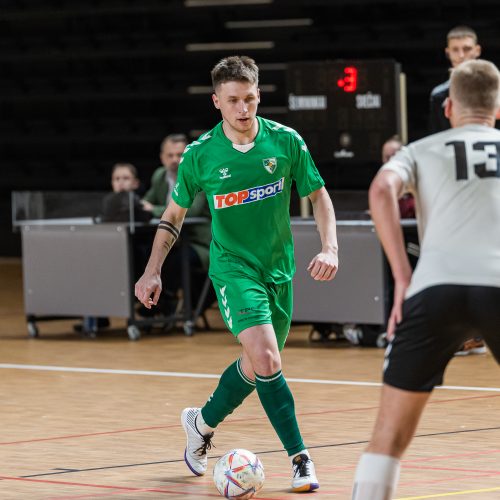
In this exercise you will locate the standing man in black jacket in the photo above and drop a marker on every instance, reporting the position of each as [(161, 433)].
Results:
[(461, 46)]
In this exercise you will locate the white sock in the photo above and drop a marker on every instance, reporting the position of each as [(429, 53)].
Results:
[(376, 477), (202, 427), (305, 452)]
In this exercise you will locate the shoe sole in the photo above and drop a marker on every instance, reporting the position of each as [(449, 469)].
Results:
[(306, 487), (189, 465), (196, 473), (475, 350), (478, 350)]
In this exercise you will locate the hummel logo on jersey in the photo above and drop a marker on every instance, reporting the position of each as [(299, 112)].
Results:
[(249, 195), (224, 173), (270, 164), (227, 310)]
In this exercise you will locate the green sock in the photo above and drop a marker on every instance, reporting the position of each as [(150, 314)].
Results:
[(234, 386), (277, 400)]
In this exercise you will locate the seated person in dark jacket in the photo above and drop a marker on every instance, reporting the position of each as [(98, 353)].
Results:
[(116, 207), (199, 235), (123, 204)]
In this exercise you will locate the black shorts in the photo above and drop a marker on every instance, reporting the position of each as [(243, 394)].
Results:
[(435, 323)]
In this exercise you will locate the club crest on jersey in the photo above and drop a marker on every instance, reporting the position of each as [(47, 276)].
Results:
[(249, 195), (270, 164)]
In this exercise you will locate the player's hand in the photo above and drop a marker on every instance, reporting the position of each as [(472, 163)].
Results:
[(147, 286), (147, 206), (324, 266), (396, 316)]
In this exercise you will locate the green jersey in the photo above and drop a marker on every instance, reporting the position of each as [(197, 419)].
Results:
[(249, 197)]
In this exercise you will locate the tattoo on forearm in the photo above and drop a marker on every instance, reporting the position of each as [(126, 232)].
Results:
[(174, 233), (168, 245), (167, 226)]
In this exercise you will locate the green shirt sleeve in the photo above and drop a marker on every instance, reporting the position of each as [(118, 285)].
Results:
[(304, 171), (187, 186)]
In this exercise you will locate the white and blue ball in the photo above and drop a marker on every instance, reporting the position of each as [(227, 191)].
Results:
[(238, 474)]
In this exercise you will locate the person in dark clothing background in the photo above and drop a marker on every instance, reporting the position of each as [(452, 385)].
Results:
[(155, 201), (116, 206), (461, 45)]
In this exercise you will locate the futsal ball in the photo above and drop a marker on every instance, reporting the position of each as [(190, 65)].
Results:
[(238, 474)]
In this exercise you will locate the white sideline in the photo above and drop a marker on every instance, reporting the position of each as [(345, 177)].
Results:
[(49, 368)]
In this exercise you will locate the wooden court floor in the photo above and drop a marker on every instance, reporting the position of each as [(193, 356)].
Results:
[(84, 419)]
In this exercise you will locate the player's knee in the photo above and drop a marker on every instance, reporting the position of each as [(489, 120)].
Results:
[(267, 363)]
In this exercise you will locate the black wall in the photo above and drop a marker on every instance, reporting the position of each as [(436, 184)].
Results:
[(85, 83)]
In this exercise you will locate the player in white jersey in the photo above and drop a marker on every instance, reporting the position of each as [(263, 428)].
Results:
[(455, 289)]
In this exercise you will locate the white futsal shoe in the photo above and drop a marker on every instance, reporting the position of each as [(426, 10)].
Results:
[(195, 454), (303, 474)]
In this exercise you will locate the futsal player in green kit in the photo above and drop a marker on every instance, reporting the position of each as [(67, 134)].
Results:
[(246, 165)]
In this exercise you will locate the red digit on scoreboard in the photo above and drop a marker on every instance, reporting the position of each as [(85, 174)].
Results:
[(349, 82)]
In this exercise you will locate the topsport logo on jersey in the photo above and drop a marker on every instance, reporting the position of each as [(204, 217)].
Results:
[(249, 195)]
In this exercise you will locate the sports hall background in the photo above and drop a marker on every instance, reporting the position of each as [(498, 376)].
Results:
[(87, 83)]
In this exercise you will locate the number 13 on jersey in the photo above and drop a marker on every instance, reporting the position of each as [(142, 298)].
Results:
[(482, 170)]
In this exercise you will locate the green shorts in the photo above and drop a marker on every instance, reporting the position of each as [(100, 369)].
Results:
[(245, 301)]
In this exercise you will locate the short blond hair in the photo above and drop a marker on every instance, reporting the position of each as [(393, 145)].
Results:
[(475, 85)]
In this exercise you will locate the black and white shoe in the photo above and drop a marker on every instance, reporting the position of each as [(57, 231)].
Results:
[(303, 474)]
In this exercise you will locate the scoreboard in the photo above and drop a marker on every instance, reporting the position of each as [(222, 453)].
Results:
[(346, 109)]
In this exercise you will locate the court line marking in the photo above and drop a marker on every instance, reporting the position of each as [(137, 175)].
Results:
[(163, 490), (452, 469), (232, 421), (267, 452), (11, 366), (211, 376), (453, 455), (120, 488), (90, 434), (452, 494)]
